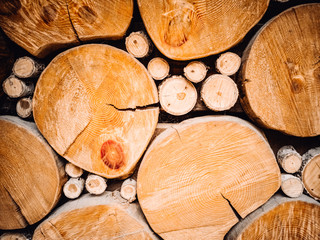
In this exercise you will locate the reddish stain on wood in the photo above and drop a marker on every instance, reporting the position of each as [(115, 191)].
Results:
[(112, 154)]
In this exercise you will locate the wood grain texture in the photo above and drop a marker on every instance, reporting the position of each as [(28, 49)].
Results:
[(31, 174), (192, 171), (89, 104), (184, 30), (281, 73), (281, 218), (41, 27), (106, 217)]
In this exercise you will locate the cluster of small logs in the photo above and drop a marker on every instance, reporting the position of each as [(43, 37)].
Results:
[(97, 138), (20, 84)]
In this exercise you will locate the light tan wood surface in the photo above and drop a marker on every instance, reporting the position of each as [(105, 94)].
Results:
[(138, 44), (158, 68), (129, 190), (106, 217), (73, 170), (177, 95), (24, 107), (15, 88), (219, 92), (291, 186), (31, 175), (26, 67), (73, 188), (195, 71), (184, 30), (42, 27), (289, 159), (281, 218), (281, 73), (13, 236), (95, 184), (228, 63), (90, 104), (195, 171)]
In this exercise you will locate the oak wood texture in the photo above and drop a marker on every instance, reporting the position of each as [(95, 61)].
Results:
[(193, 170), (42, 27), (89, 104), (281, 218), (219, 92), (280, 75), (31, 174), (184, 30), (96, 217), (177, 95)]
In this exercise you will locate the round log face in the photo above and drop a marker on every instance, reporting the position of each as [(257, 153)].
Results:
[(311, 177), (281, 73), (184, 30), (30, 180), (85, 106), (291, 220), (192, 171)]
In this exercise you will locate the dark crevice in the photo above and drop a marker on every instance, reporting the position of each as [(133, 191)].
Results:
[(73, 28), (18, 207), (177, 133), (146, 107), (233, 209)]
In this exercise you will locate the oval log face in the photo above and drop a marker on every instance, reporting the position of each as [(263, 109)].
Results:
[(194, 171), (280, 73), (184, 30), (30, 174), (85, 106)]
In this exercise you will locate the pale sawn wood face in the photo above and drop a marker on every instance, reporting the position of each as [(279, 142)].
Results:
[(197, 167), (281, 73), (85, 106), (31, 178), (187, 29)]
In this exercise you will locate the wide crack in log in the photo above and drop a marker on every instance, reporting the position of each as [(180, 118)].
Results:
[(233, 209), (145, 107), (73, 28)]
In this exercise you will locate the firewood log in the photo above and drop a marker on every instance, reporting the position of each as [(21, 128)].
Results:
[(73, 170), (184, 30), (31, 174), (158, 68), (228, 63), (177, 95), (15, 88), (219, 92), (289, 159), (138, 44), (195, 71), (96, 217), (43, 27), (73, 188), (291, 186), (280, 218), (95, 106), (26, 67), (24, 107), (280, 78), (310, 172), (95, 184), (13, 236), (206, 171), (129, 189)]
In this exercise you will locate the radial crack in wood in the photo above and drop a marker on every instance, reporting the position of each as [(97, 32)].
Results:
[(184, 30), (198, 167), (80, 115), (280, 77), (280, 218)]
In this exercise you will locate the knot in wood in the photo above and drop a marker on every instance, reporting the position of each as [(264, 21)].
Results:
[(112, 154)]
